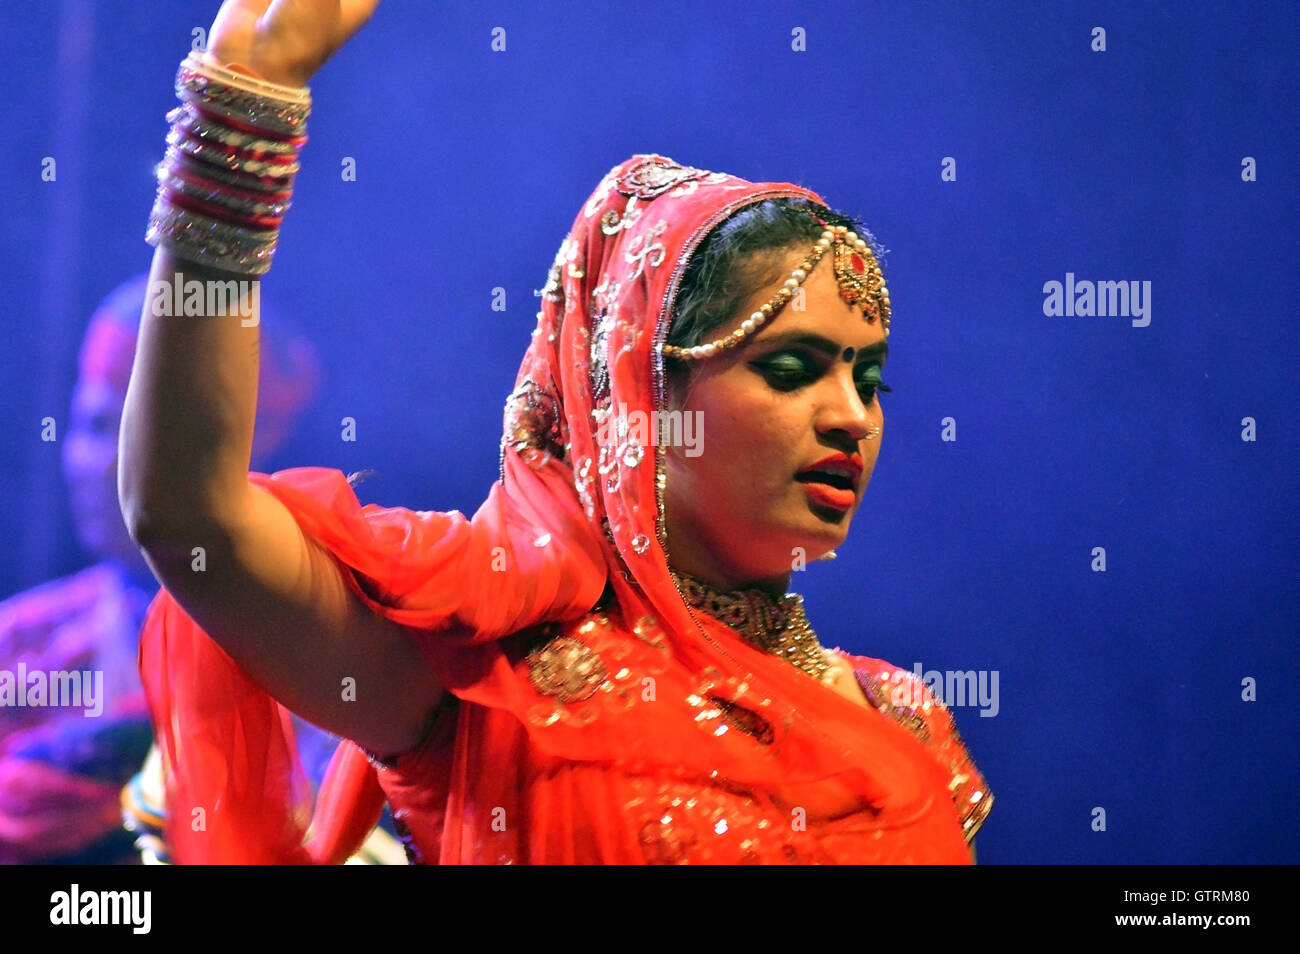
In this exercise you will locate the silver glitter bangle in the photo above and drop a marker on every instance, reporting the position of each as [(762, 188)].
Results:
[(214, 155), (207, 241), (213, 195), (187, 117), (174, 158), (194, 84), (233, 140)]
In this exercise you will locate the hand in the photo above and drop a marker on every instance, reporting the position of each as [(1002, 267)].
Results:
[(285, 41)]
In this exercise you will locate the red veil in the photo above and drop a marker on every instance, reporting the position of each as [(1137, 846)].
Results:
[(573, 512)]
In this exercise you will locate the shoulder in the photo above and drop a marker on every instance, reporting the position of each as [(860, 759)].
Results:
[(904, 696)]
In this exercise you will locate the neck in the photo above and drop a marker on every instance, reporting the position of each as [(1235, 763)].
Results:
[(774, 586), (767, 620)]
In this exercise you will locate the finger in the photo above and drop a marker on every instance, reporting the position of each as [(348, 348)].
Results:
[(354, 14), (231, 37), (240, 11)]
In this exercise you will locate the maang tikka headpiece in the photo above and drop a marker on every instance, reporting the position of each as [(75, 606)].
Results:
[(856, 272)]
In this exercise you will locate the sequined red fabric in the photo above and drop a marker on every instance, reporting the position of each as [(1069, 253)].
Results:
[(529, 807), (596, 717)]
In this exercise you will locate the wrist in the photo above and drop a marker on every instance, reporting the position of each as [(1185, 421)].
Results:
[(246, 70), (227, 177), (288, 84), (269, 74)]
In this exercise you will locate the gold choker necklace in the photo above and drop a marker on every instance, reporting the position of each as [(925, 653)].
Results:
[(776, 626)]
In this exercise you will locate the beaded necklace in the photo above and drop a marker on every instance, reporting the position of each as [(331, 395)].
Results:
[(776, 626)]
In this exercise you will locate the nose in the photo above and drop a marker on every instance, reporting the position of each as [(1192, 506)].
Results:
[(844, 412)]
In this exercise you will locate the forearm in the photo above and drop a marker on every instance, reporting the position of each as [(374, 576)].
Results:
[(187, 424), (224, 186)]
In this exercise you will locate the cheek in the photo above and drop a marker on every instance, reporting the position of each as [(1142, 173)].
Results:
[(771, 434), (694, 481), (706, 485), (751, 446), (748, 418)]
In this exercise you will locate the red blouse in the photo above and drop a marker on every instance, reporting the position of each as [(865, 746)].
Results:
[(533, 808)]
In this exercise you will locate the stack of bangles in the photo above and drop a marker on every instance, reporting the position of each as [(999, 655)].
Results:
[(232, 154)]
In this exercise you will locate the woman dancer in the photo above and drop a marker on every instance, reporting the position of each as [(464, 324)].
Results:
[(601, 665)]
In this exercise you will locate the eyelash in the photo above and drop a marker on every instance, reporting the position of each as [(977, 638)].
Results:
[(798, 378)]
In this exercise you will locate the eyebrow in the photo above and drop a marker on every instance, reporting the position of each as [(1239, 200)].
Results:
[(821, 344)]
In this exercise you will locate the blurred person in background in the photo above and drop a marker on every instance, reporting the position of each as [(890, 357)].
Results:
[(61, 769)]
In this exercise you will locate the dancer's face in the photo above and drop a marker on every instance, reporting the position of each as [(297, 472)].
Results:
[(799, 390)]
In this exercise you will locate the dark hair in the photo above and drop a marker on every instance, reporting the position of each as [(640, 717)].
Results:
[(743, 253)]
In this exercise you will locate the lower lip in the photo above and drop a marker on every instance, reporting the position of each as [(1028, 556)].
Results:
[(827, 496)]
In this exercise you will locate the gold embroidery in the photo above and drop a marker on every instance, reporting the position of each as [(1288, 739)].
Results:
[(664, 841), (648, 630), (566, 668), (533, 426), (974, 811), (612, 222), (604, 312), (908, 703), (744, 720), (879, 695), (654, 175)]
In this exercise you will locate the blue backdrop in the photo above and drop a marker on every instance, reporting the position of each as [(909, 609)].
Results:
[(1119, 689)]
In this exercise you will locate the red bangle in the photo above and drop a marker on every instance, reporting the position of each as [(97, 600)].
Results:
[(258, 131), (269, 223), (260, 155), (193, 178), (277, 182)]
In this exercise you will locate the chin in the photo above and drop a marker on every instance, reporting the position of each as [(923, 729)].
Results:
[(818, 544), (811, 544), (818, 550)]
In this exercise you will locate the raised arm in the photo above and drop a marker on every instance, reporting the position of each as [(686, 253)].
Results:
[(274, 599)]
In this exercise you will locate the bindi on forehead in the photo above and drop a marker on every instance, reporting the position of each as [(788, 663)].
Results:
[(848, 354)]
